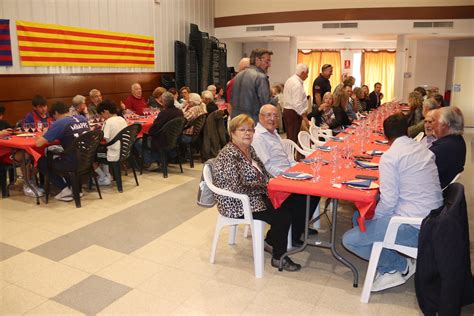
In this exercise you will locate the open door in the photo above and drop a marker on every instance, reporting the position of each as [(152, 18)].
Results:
[(462, 94)]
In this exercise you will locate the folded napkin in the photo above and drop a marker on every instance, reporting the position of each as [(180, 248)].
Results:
[(311, 160), (366, 164), (324, 148), (375, 152), (359, 183), (297, 175), (337, 139), (384, 142)]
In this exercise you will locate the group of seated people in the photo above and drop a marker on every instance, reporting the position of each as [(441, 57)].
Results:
[(412, 177), (64, 123)]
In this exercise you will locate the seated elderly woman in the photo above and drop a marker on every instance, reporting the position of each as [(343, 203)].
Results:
[(324, 114), (238, 169)]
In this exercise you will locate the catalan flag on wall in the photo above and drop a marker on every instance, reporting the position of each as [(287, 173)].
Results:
[(5, 44), (56, 45)]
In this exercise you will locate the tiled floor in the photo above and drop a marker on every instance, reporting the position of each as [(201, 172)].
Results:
[(146, 251)]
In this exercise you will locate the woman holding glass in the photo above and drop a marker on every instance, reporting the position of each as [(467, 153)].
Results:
[(238, 169)]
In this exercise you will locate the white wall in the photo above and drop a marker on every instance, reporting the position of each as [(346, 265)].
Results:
[(280, 70), (234, 54), (457, 48), (167, 21)]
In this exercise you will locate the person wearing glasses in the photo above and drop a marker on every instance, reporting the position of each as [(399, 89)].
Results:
[(251, 87), (237, 168)]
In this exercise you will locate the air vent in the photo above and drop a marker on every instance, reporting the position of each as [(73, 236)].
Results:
[(433, 24), (260, 28), (350, 25)]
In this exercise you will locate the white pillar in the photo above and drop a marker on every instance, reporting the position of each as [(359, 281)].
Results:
[(400, 66), (293, 54)]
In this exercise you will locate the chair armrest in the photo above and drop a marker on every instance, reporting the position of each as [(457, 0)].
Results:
[(395, 222), (303, 152)]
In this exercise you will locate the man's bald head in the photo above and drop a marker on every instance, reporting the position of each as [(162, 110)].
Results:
[(244, 63), (268, 117)]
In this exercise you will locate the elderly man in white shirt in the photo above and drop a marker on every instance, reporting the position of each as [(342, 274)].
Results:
[(409, 186), (295, 104), (269, 148)]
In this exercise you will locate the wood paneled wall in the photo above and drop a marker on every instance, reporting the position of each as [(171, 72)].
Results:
[(16, 91)]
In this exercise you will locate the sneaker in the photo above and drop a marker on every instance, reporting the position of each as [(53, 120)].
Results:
[(410, 270), (152, 167), (29, 192), (102, 181), (65, 195), (288, 264), (37, 188), (387, 280)]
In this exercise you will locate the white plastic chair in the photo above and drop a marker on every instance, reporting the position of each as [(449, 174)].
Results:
[(304, 138), (290, 147), (419, 137), (256, 226), (388, 243)]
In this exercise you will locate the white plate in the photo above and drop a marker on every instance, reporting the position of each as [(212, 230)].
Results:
[(296, 176)]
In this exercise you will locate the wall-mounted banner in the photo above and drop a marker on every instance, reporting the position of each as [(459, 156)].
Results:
[(57, 45), (5, 44)]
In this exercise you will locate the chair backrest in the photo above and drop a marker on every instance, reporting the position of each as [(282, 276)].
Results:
[(173, 130), (207, 174), (419, 137), (304, 138), (126, 137), (85, 147), (198, 124), (291, 147)]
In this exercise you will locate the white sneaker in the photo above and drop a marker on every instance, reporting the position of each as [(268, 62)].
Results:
[(103, 181), (153, 167), (388, 280), (29, 192), (410, 270), (65, 195)]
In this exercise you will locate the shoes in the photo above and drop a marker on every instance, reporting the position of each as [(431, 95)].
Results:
[(153, 167), (102, 181), (312, 231), (388, 280), (296, 243), (288, 264), (65, 195), (267, 247), (29, 192), (410, 270)]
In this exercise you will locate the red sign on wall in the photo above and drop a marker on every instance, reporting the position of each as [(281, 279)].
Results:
[(347, 64)]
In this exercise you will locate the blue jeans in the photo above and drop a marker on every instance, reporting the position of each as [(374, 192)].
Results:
[(360, 243)]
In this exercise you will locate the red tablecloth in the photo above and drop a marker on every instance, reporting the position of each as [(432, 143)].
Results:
[(280, 188), (27, 144)]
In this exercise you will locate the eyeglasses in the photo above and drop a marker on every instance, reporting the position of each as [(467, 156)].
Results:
[(245, 130), (270, 115)]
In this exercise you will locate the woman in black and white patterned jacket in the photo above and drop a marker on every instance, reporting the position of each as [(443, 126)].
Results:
[(238, 169)]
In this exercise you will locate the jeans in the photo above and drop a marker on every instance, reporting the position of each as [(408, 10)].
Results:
[(360, 243)]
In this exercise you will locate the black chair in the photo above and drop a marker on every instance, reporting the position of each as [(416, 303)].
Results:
[(198, 124), (84, 149), (127, 137)]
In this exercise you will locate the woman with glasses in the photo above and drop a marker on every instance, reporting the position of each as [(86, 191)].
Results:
[(238, 169)]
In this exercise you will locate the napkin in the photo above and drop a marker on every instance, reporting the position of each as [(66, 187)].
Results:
[(359, 183), (367, 165), (375, 152), (383, 142), (337, 139), (324, 148), (296, 175)]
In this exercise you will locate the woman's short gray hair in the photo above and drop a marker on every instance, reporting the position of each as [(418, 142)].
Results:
[(452, 117), (206, 94), (78, 99)]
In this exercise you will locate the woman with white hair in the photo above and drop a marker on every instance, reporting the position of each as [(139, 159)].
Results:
[(191, 111), (208, 100), (79, 106)]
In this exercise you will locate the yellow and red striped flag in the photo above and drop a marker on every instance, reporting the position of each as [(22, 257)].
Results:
[(57, 45)]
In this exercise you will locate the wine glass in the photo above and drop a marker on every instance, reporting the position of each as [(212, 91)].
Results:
[(25, 126), (39, 126), (45, 126), (316, 167)]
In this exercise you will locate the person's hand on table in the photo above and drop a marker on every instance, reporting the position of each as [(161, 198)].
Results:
[(7, 131)]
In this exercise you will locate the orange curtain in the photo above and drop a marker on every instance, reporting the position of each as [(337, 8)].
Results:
[(315, 60), (380, 67)]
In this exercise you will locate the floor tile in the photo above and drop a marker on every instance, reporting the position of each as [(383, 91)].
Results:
[(218, 298), (8, 251), (197, 261), (173, 284), (15, 300), (268, 304), (92, 259), (52, 308), (92, 295), (129, 271), (30, 238), (25, 263), (161, 251), (52, 280), (62, 247), (136, 302)]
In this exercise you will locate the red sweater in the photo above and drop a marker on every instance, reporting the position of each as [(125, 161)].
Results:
[(136, 105)]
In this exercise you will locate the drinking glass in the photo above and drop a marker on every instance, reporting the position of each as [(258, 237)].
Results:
[(39, 126), (316, 167), (45, 126)]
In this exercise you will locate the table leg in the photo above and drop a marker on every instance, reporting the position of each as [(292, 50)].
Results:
[(333, 245)]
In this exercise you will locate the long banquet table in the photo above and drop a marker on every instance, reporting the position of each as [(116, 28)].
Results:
[(365, 200)]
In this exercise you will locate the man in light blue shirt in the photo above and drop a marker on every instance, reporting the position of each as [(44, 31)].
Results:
[(267, 143), (409, 186)]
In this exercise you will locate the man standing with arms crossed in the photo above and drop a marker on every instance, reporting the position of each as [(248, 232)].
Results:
[(321, 84)]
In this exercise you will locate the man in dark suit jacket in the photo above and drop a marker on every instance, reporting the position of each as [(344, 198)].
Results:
[(450, 147), (374, 96)]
